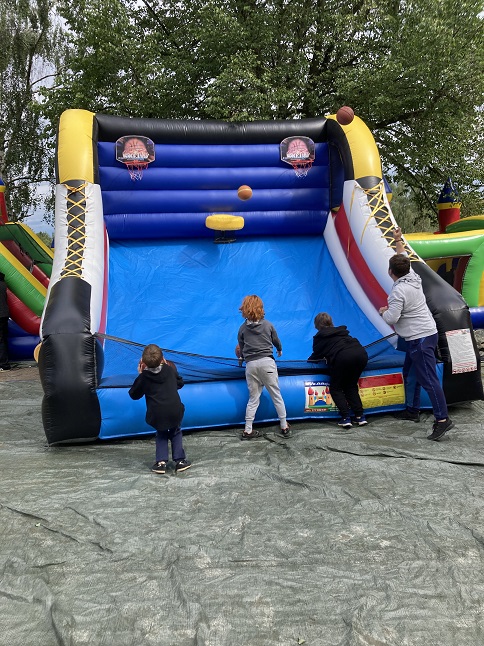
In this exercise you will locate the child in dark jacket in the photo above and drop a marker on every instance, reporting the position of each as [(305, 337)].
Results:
[(347, 359), (159, 382)]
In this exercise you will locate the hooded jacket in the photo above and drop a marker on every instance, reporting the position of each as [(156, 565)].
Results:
[(256, 339), (330, 341), (407, 309), (164, 408)]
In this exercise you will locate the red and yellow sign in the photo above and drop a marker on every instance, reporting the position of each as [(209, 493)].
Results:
[(382, 390)]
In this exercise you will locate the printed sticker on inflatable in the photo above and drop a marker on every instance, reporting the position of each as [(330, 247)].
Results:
[(318, 398), (382, 390), (461, 350)]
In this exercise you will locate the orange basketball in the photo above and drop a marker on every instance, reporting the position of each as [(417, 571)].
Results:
[(345, 115), (244, 192)]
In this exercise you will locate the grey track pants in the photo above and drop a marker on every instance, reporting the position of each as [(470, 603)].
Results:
[(260, 373)]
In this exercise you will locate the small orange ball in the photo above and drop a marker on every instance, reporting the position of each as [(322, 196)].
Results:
[(244, 192)]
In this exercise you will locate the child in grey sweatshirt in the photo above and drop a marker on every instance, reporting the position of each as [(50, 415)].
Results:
[(256, 338)]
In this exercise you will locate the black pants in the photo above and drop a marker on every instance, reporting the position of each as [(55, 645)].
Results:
[(3, 341), (346, 369)]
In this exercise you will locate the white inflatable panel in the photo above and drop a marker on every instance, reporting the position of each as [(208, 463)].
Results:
[(93, 260)]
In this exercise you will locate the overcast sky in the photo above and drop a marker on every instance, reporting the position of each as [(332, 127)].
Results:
[(36, 223)]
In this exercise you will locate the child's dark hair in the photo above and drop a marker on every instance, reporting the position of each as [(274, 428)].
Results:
[(152, 356), (321, 320), (399, 265)]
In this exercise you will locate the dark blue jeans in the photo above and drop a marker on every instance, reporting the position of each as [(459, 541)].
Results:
[(174, 435), (421, 355)]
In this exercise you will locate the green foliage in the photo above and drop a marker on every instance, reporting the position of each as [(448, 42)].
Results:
[(408, 213), (27, 54), (45, 237), (413, 71)]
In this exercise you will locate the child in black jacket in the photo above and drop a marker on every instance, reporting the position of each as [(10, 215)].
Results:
[(347, 359), (159, 382)]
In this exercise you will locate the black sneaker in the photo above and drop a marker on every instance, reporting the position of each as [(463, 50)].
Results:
[(159, 467), (408, 415), (285, 432), (440, 429), (182, 465), (251, 436), (6, 366), (345, 422)]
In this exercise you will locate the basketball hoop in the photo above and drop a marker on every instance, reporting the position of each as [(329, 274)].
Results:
[(136, 167), (301, 166), (135, 152), (299, 152)]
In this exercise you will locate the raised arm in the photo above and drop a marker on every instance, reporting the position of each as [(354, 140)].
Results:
[(399, 244)]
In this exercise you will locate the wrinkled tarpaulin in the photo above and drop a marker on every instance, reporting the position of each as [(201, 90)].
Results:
[(368, 537)]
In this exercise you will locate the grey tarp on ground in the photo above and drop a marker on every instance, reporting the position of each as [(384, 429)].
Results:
[(369, 537)]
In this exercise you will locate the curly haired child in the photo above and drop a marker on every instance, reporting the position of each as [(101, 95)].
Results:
[(256, 338)]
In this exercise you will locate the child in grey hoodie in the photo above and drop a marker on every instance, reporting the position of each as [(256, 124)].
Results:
[(256, 338), (412, 320)]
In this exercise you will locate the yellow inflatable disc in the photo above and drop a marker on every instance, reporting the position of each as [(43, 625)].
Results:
[(224, 222)]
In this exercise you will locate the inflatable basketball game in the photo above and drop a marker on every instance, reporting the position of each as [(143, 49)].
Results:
[(156, 244)]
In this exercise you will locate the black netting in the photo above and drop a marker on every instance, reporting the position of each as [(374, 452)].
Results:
[(122, 358)]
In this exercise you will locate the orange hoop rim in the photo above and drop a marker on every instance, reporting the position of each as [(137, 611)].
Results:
[(299, 162), (139, 164), (301, 166), (136, 167)]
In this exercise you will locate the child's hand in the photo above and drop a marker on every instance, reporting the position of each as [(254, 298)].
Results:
[(397, 233), (279, 353)]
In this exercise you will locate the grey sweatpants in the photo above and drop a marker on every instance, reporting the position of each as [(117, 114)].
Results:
[(260, 373)]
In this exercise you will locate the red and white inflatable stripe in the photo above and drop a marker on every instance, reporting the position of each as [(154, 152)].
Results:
[(361, 252), (367, 233), (349, 277)]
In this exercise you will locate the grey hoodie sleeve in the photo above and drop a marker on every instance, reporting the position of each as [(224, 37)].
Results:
[(395, 307), (275, 339), (240, 340)]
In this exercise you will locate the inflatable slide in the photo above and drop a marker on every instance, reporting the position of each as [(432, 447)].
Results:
[(458, 256), (27, 264), (154, 245)]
